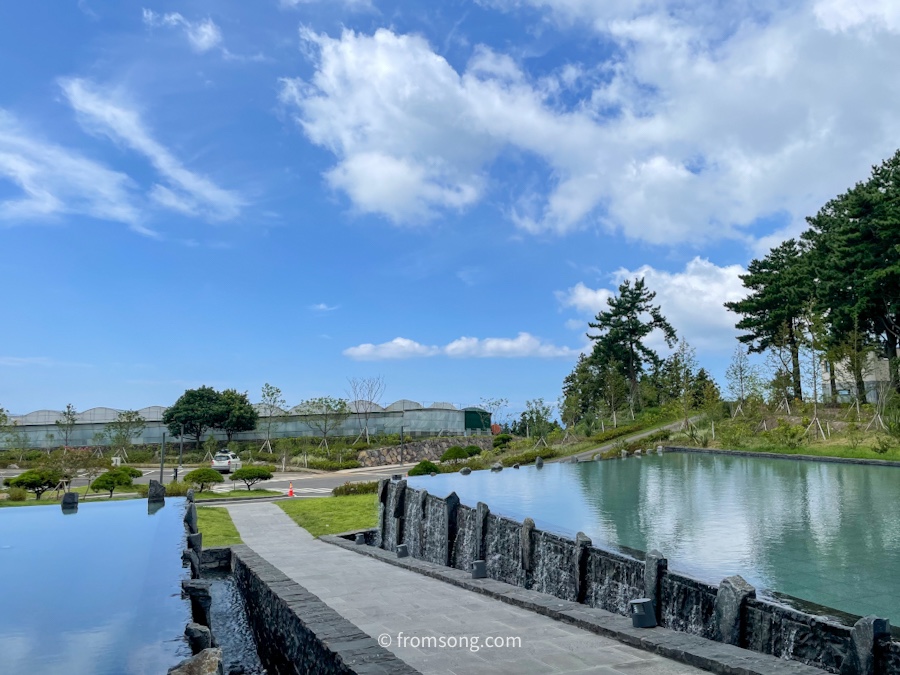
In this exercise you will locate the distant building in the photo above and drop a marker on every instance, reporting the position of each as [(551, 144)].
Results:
[(414, 419), (876, 375)]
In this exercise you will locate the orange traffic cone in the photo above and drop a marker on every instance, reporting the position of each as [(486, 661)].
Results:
[(291, 489)]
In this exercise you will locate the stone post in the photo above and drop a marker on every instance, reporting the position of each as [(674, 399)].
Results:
[(156, 492), (582, 548), (421, 513), (654, 565), (525, 544), (451, 504), (399, 511), (382, 510), (481, 515), (866, 635), (733, 593)]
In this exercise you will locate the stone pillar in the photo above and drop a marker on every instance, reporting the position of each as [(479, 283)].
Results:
[(382, 510), (481, 514), (190, 518), (866, 635), (399, 511), (201, 600), (525, 544), (654, 565), (451, 504), (156, 492), (582, 548), (733, 592), (70, 502), (421, 512)]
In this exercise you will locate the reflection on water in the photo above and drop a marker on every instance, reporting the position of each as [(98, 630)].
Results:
[(823, 532), (96, 592)]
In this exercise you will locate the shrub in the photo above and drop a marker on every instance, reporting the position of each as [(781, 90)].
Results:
[(177, 489), (37, 481), (882, 444), (251, 475), (786, 435), (369, 487), (18, 494), (203, 477), (129, 471), (454, 454), (529, 456), (328, 464), (109, 481), (424, 468), (143, 489), (502, 440), (472, 450)]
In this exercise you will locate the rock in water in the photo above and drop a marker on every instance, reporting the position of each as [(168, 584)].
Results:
[(157, 491), (70, 500), (516, 465), (497, 466), (465, 471), (539, 462), (198, 637), (207, 662)]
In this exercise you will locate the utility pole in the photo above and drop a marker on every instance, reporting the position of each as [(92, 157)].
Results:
[(180, 452), (162, 458)]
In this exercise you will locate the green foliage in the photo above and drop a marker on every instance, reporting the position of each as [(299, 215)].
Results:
[(109, 481), (472, 450), (786, 435), (501, 440), (882, 444), (368, 487), (454, 454), (37, 480), (251, 475), (130, 471), (529, 456), (177, 488), (323, 464), (203, 477), (66, 423), (198, 410), (17, 494), (854, 435), (239, 415), (424, 468), (124, 428)]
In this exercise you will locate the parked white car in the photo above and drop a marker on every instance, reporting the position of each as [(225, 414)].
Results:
[(226, 462)]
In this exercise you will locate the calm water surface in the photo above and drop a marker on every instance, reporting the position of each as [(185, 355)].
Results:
[(825, 533), (95, 592)]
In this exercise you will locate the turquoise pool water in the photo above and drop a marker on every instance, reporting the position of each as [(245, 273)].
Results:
[(825, 533), (96, 592)]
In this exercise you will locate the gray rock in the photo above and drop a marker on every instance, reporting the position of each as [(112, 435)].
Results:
[(654, 564), (207, 662), (526, 545), (70, 500), (866, 633), (198, 637), (432, 474), (481, 515), (624, 454), (637, 452), (465, 471), (201, 601), (597, 457), (496, 466), (190, 494), (582, 550), (156, 492), (153, 507), (539, 462), (733, 592), (516, 465), (190, 518), (195, 542), (191, 558)]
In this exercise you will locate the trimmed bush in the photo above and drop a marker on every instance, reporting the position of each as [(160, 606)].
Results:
[(18, 494), (369, 487), (177, 489), (109, 481), (323, 464), (129, 471), (202, 478), (37, 481), (502, 440), (424, 468), (454, 454), (472, 450), (251, 475)]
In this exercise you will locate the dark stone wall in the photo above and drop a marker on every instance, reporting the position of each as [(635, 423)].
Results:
[(217, 557), (298, 633), (440, 532)]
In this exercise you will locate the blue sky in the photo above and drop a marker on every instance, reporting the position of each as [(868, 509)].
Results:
[(299, 192)]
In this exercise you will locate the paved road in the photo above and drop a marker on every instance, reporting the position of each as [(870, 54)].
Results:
[(382, 599)]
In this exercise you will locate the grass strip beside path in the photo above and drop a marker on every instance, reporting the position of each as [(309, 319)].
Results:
[(331, 515), (217, 527)]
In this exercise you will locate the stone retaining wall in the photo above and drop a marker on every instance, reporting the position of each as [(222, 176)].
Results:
[(430, 449), (444, 532), (298, 633)]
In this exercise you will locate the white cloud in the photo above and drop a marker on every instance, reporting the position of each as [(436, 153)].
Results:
[(322, 307), (202, 35), (20, 361), (524, 345), (186, 192), (692, 300), (55, 181), (705, 119), (350, 4)]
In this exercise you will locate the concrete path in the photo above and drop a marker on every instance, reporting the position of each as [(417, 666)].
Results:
[(404, 607)]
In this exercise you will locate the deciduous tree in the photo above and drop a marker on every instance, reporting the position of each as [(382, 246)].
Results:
[(196, 412), (240, 415)]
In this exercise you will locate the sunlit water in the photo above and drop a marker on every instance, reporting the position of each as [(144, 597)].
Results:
[(96, 592), (823, 532)]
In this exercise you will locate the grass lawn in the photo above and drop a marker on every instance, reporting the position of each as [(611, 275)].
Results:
[(330, 515), (217, 527), (243, 493), (827, 449)]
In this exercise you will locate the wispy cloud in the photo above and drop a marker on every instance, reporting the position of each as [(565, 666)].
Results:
[(56, 181), (322, 307), (36, 361), (202, 35), (187, 192), (524, 345)]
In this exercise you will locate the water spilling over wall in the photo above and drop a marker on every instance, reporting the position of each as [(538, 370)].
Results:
[(444, 532)]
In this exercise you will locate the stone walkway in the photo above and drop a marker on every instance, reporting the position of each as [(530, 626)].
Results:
[(384, 600)]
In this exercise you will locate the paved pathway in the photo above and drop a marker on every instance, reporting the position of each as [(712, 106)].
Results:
[(385, 600)]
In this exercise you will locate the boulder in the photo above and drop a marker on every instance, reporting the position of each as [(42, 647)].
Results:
[(201, 600), (70, 500), (156, 492), (465, 471), (190, 518), (516, 465), (198, 637), (195, 543), (539, 462), (191, 558), (190, 494), (207, 662), (733, 592), (497, 466)]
